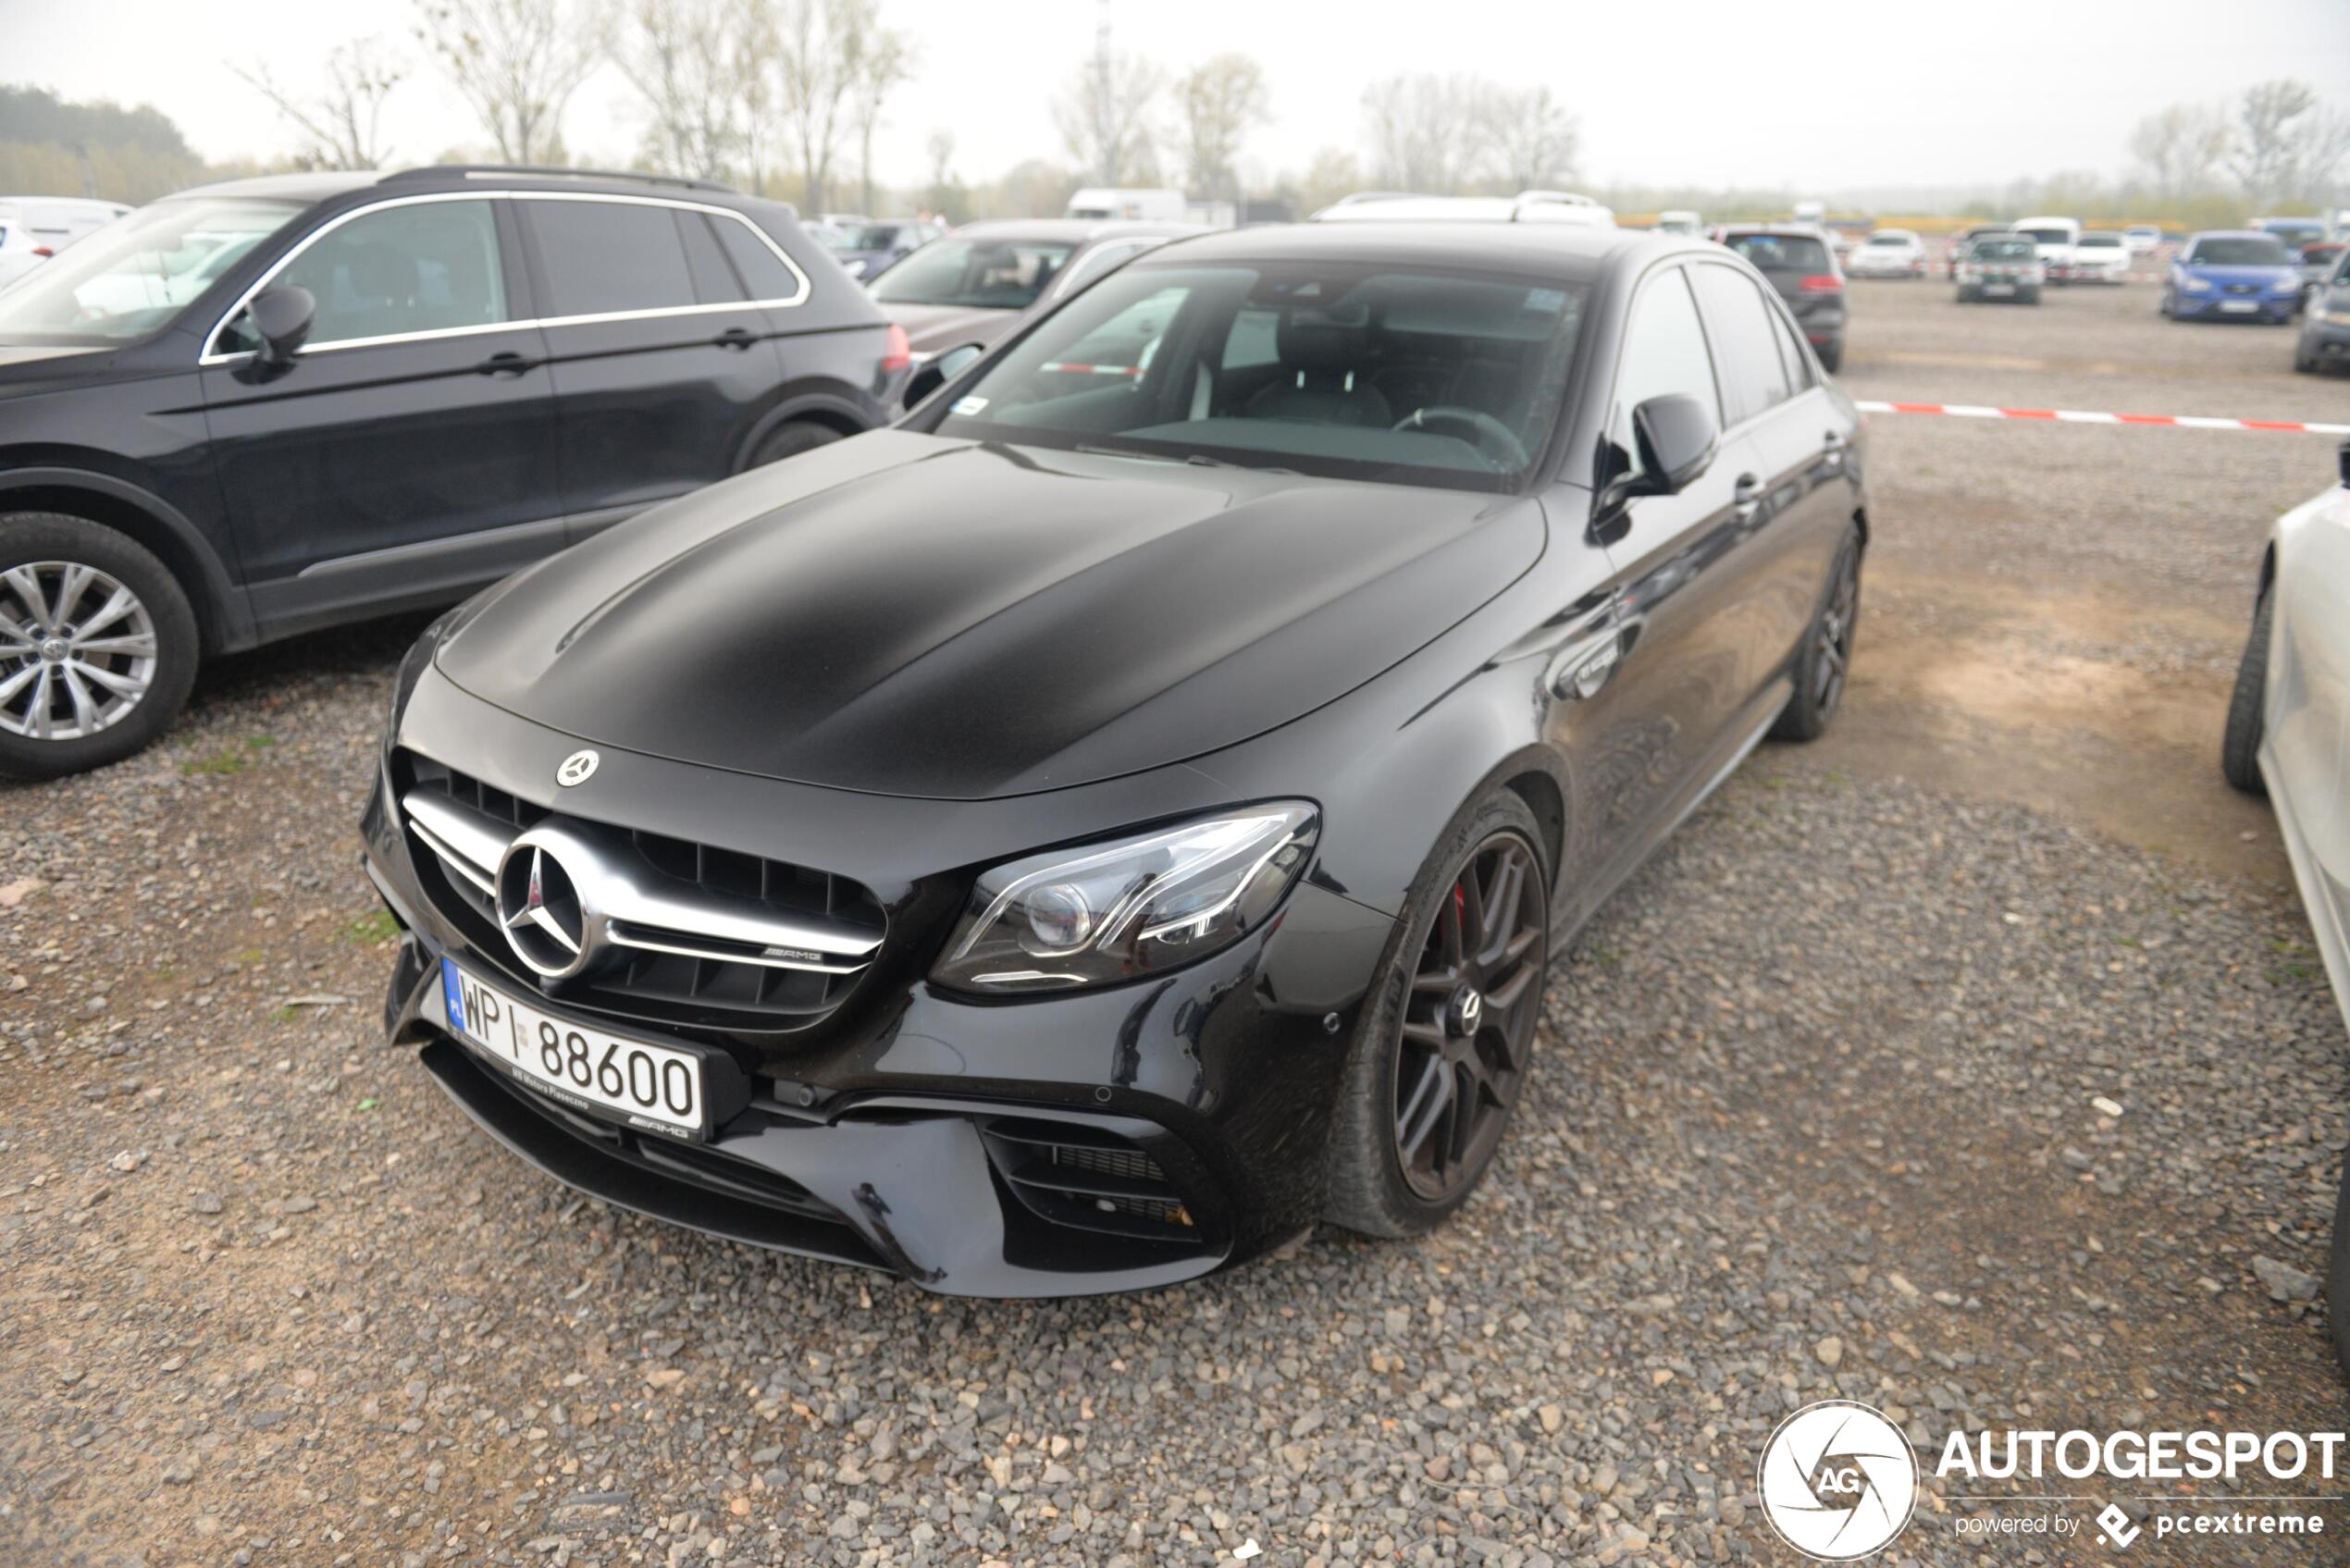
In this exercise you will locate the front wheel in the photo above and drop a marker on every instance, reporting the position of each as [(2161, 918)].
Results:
[(1447, 1036), (1831, 357), (789, 439), (2240, 743), (97, 646), (1824, 659)]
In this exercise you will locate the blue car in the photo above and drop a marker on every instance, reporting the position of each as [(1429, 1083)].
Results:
[(2232, 275)]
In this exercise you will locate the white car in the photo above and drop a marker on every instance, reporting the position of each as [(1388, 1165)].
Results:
[(1888, 252), (2055, 237), (1681, 221), (2100, 256), (2288, 737), (2142, 237), (34, 228)]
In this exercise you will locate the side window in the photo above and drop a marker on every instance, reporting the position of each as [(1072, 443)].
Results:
[(760, 268), (602, 258), (1746, 346), (713, 274), (422, 267), (1791, 355), (1098, 260), (1664, 353)]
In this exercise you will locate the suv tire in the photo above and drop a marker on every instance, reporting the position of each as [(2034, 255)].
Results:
[(134, 669), (2240, 743), (789, 439)]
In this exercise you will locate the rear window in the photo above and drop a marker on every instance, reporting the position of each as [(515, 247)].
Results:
[(2100, 241), (1782, 252), (2004, 250), (1888, 239), (2048, 236)]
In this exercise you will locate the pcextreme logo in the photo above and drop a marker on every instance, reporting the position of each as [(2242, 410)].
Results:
[(1838, 1481)]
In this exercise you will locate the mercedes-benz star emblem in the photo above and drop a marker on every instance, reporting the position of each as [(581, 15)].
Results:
[(538, 906), (577, 768)]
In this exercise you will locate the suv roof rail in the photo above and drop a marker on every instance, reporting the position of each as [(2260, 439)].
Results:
[(542, 171)]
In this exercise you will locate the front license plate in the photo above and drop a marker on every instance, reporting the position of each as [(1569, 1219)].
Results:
[(643, 1084), (1998, 288), (2239, 307)]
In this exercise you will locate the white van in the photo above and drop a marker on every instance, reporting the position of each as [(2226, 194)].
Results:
[(1110, 203), (2055, 237), (34, 228), (1680, 222)]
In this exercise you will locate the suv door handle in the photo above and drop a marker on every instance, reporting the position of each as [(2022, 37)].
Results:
[(505, 363), (1746, 497), (735, 338)]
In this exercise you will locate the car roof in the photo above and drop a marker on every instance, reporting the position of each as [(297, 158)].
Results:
[(1581, 253), (324, 185), (1072, 230)]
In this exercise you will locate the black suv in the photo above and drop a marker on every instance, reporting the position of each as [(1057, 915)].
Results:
[(1802, 269), (266, 406)]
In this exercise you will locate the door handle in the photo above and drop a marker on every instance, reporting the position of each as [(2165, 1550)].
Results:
[(734, 338), (1834, 445), (505, 363), (1746, 497)]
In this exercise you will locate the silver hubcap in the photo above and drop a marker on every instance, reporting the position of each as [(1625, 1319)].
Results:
[(76, 650)]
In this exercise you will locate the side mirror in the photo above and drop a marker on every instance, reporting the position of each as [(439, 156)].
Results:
[(942, 369), (2341, 461), (281, 318), (1676, 436)]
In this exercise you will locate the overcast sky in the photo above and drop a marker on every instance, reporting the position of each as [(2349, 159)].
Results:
[(1699, 91)]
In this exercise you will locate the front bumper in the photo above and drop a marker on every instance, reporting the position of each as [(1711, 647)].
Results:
[(2271, 309), (1087, 1141), (2326, 341)]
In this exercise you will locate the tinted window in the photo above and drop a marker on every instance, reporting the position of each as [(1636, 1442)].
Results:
[(2261, 252), (2003, 250), (606, 256), (1791, 355), (715, 279), (977, 273), (424, 267), (1782, 252), (1745, 341), (1382, 375), (755, 260), (1664, 353)]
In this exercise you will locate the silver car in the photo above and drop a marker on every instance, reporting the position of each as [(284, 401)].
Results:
[(2288, 737)]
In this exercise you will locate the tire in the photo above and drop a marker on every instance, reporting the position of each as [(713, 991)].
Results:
[(1831, 357), (2304, 362), (1825, 659), (1374, 1186), (2162, 306), (1967, 296), (136, 668), (2240, 743), (2028, 296), (789, 439)]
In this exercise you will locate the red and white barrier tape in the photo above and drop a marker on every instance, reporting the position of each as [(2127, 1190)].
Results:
[(2078, 416)]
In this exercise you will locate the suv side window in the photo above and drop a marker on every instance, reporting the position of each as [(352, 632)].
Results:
[(422, 267), (600, 258), (1754, 376), (768, 276), (1663, 351)]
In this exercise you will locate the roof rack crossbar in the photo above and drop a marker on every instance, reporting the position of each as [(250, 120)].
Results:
[(542, 171)]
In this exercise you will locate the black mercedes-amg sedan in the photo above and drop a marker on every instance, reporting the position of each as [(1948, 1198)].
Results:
[(1122, 814)]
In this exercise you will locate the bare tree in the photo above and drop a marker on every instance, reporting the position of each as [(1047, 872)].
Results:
[(945, 194), (695, 62), (1424, 132), (1104, 115), (340, 125), (889, 64), (2180, 150), (1531, 139), (2286, 144), (516, 63), (1217, 103), (822, 49)]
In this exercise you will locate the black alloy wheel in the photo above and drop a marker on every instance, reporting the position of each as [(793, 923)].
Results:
[(1824, 660), (1468, 1019)]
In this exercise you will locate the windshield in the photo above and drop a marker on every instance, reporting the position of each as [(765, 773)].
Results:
[(1782, 252), (2245, 252), (871, 237), (2100, 241), (2004, 250), (977, 273), (1334, 368), (1890, 240), (135, 275)]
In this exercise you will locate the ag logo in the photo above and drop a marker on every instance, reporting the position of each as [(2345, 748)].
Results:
[(1838, 1481)]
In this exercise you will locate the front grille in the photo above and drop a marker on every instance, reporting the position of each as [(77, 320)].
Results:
[(705, 936), (1088, 1178)]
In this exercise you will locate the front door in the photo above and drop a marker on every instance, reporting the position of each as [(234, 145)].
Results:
[(407, 454), (663, 361)]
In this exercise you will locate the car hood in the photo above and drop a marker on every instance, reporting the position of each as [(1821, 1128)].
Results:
[(2265, 276), (904, 614), (934, 329), (21, 363)]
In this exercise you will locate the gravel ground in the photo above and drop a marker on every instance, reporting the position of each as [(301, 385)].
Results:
[(1818, 1114)]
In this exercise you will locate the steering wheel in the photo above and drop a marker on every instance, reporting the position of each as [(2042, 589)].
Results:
[(1486, 433)]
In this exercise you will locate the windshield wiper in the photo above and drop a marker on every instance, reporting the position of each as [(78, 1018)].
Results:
[(1194, 458)]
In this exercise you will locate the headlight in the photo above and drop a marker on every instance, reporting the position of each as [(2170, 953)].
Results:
[(1132, 907), (2338, 318), (2198, 286)]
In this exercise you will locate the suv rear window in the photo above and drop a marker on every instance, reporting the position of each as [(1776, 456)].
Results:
[(1782, 252)]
